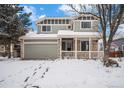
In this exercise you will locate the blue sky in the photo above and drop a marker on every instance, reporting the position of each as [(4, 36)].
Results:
[(40, 10)]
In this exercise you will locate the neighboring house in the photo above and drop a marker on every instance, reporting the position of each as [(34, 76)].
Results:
[(2, 50), (117, 48), (63, 37)]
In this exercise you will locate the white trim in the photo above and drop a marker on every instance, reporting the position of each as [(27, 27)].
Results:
[(40, 42), (67, 51), (122, 47), (86, 28), (60, 48), (23, 49), (90, 48), (76, 47)]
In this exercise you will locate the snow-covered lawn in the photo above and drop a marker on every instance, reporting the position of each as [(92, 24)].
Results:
[(59, 73)]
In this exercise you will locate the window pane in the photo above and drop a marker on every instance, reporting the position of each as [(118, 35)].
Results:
[(45, 21), (86, 24), (67, 21), (43, 28), (48, 21), (56, 21), (59, 21), (88, 17), (92, 18), (84, 45), (52, 21), (63, 45), (84, 18), (48, 28)]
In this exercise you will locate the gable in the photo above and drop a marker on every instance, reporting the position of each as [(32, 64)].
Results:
[(86, 17)]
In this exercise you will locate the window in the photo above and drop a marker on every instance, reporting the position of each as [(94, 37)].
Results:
[(46, 28), (67, 21), (60, 22), (52, 21), (84, 45), (84, 18), (63, 21), (122, 47), (45, 21), (48, 21), (56, 21), (92, 18), (88, 17), (85, 24), (67, 45)]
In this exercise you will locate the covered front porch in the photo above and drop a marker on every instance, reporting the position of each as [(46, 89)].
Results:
[(79, 48)]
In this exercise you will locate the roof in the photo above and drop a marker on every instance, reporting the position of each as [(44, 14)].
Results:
[(61, 33), (65, 17), (34, 35)]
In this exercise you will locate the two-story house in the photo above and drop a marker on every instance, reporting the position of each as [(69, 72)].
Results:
[(61, 37)]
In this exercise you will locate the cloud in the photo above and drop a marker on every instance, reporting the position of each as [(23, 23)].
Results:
[(69, 11), (31, 9), (66, 9), (42, 16), (41, 9)]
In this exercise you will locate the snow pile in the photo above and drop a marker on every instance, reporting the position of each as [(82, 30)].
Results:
[(59, 73)]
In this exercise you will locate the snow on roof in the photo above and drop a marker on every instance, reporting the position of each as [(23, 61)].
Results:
[(61, 33), (34, 35)]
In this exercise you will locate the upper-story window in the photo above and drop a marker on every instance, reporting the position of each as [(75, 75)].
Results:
[(88, 17), (60, 21), (46, 28), (48, 21), (56, 21), (85, 24), (84, 18), (45, 21), (67, 21), (52, 21)]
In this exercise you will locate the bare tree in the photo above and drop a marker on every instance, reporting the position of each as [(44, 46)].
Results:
[(110, 16)]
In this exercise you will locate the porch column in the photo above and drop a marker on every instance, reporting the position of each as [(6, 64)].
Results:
[(11, 49), (75, 47), (22, 49), (98, 50), (60, 44), (90, 48)]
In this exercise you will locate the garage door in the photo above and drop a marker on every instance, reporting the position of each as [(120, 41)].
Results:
[(40, 51)]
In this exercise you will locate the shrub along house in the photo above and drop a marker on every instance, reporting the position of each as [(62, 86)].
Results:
[(63, 37)]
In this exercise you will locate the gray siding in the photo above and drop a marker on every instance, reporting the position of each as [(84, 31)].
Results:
[(77, 26), (40, 51)]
